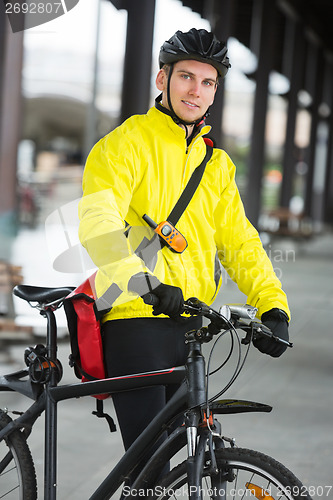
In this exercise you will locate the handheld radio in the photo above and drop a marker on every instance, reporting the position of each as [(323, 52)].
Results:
[(168, 233)]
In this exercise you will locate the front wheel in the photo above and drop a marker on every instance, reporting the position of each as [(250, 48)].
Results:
[(242, 474), (17, 471)]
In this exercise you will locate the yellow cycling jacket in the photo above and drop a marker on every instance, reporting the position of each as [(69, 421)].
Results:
[(142, 167)]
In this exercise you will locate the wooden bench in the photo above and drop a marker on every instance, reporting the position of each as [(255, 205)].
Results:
[(282, 222)]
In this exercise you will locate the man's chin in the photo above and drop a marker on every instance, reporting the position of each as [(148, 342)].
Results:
[(189, 120), (191, 117)]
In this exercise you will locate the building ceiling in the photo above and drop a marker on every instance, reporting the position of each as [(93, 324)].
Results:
[(316, 15)]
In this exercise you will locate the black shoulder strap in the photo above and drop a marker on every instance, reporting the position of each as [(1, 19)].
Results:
[(104, 303), (190, 189)]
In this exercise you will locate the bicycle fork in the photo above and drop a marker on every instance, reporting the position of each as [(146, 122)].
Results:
[(197, 462), (196, 444)]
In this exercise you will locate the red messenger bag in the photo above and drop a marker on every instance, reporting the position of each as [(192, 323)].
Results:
[(86, 341), (85, 334)]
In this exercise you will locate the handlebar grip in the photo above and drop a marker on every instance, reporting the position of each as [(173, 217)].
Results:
[(150, 299)]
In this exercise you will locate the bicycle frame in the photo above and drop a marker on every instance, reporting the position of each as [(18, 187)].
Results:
[(46, 400), (188, 400)]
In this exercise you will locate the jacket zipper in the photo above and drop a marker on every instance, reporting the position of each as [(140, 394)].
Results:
[(188, 152)]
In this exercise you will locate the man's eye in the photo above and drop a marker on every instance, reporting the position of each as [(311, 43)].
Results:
[(207, 83), (186, 77)]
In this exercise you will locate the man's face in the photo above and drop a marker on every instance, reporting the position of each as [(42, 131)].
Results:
[(192, 88)]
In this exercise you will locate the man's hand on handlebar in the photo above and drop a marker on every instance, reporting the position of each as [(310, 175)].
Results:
[(277, 322), (170, 301), (165, 299), (270, 337)]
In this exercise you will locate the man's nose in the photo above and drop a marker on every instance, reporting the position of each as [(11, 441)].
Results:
[(195, 88)]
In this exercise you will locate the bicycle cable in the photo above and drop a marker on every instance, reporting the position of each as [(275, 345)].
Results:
[(226, 360), (234, 377), (237, 371), (231, 331)]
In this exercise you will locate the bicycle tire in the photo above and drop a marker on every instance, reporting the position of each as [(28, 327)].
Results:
[(17, 470), (249, 471)]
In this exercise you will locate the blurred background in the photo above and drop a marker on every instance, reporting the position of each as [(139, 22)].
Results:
[(66, 83)]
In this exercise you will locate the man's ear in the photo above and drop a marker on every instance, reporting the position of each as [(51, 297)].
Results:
[(161, 80)]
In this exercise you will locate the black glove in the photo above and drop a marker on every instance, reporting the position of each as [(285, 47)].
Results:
[(170, 298), (277, 321)]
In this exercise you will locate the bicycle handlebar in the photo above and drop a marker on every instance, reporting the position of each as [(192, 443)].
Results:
[(233, 317), (150, 299)]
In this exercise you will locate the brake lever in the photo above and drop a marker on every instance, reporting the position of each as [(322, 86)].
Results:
[(192, 310), (255, 330), (248, 337), (194, 306)]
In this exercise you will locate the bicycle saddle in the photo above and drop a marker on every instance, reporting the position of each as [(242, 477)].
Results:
[(42, 295)]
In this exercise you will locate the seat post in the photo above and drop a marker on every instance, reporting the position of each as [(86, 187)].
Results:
[(51, 338), (50, 444)]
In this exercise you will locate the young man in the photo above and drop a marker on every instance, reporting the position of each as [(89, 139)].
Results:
[(141, 168)]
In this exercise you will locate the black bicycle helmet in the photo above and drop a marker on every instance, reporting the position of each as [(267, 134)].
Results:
[(199, 45)]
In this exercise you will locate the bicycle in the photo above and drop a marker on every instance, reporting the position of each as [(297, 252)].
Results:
[(214, 467)]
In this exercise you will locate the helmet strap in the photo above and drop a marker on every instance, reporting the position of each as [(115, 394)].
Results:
[(175, 117)]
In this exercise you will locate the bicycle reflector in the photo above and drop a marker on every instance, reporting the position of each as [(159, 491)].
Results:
[(258, 492), (168, 233)]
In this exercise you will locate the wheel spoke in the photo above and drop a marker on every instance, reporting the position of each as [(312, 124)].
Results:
[(236, 483), (7, 471), (9, 491), (5, 461)]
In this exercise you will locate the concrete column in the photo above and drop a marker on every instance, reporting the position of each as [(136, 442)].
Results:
[(221, 18), (10, 118), (138, 57), (320, 161), (294, 49), (2, 51), (90, 137), (314, 82), (263, 39), (328, 99), (328, 196)]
